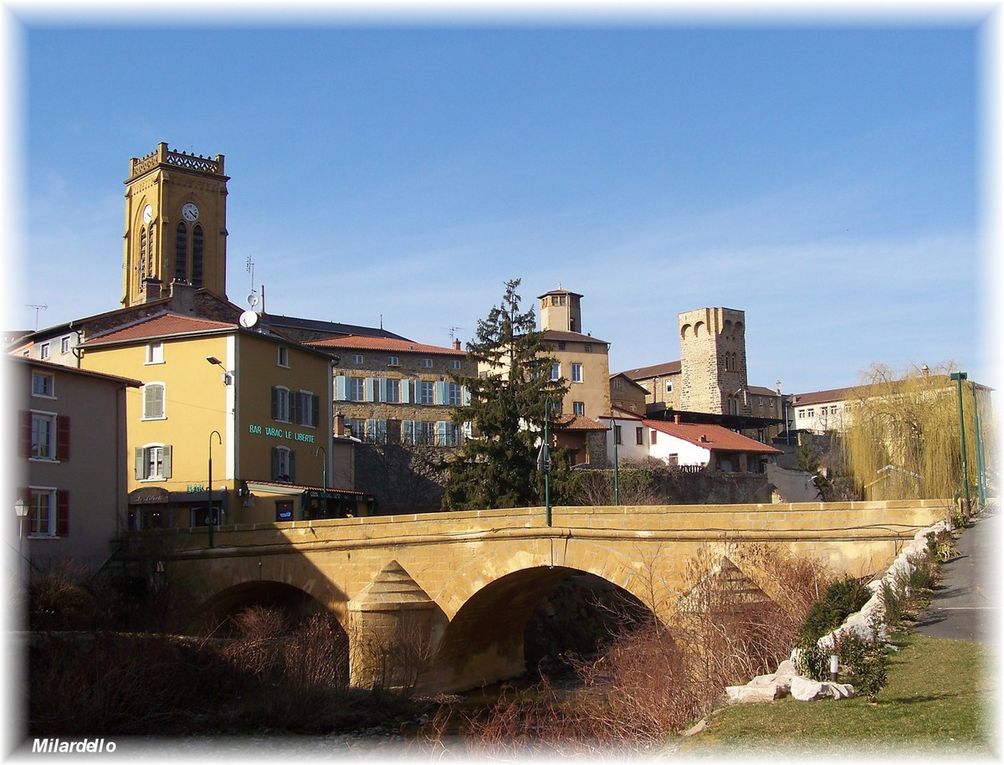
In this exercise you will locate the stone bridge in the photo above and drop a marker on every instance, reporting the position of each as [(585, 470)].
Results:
[(446, 596)]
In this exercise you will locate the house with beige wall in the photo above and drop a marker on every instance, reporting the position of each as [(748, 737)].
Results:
[(71, 471)]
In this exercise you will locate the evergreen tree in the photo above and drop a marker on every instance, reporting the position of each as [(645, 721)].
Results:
[(498, 466)]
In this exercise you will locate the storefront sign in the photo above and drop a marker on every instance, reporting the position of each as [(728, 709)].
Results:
[(289, 435), (284, 514)]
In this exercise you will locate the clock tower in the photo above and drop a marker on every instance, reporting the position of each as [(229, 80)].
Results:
[(175, 227)]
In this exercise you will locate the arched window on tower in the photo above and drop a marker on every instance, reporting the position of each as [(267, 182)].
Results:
[(181, 254), (152, 251), (142, 256), (197, 256)]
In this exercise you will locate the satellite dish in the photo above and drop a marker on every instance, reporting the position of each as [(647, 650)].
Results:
[(252, 300), (248, 319)]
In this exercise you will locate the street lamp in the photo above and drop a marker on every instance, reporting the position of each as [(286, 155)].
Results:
[(784, 414), (544, 462), (617, 483), (959, 377), (21, 510), (209, 488)]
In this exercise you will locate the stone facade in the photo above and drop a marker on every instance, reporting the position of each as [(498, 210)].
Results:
[(713, 358)]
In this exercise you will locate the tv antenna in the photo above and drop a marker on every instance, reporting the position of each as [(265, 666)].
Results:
[(252, 296), (37, 309), (453, 333)]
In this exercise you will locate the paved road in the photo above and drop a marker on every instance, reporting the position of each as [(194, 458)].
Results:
[(967, 606)]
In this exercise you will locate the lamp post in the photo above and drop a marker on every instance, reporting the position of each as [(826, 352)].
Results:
[(324, 476), (617, 483), (21, 510), (981, 465), (959, 377), (209, 488), (780, 411), (544, 462)]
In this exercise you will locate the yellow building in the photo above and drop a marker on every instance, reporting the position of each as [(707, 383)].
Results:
[(258, 405)]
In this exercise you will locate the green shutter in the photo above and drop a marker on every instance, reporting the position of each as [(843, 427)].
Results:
[(275, 403)]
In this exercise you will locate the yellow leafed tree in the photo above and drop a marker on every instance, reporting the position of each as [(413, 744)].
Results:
[(904, 440)]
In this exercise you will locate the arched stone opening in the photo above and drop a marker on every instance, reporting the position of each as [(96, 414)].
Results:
[(486, 640), (217, 613)]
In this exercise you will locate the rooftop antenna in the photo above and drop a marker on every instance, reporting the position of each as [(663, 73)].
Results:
[(252, 296), (37, 309), (453, 333), (381, 321)]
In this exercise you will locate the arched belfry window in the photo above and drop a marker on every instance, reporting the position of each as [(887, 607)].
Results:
[(197, 256), (181, 254), (153, 250), (142, 255)]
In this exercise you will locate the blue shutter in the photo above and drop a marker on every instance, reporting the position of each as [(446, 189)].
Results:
[(382, 389), (439, 394), (405, 391), (408, 431), (441, 433), (341, 388), (465, 395)]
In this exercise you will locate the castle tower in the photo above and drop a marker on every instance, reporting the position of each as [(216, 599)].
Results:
[(559, 310), (176, 224), (713, 360)]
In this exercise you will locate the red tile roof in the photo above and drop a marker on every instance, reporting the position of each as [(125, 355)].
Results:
[(577, 422), (50, 366), (656, 370), (711, 437), (364, 343), (162, 325), (571, 337)]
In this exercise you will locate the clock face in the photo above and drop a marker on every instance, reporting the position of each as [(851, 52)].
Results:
[(190, 212), (147, 214)]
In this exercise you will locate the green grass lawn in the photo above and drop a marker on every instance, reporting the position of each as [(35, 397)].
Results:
[(939, 697)]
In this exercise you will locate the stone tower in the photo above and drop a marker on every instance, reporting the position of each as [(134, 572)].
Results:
[(176, 224), (713, 360), (560, 310)]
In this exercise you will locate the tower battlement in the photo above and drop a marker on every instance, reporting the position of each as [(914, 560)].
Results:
[(163, 155)]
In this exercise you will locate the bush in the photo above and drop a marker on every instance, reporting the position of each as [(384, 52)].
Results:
[(842, 598), (813, 662), (893, 604), (866, 660)]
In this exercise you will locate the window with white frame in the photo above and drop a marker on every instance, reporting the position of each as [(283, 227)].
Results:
[(307, 408), (357, 387), (42, 512), (280, 403), (576, 373), (579, 409), (155, 353), (357, 427), (64, 344), (555, 370), (282, 356), (669, 387), (427, 363), (453, 394), (426, 391), (393, 390), (153, 401), (153, 462), (810, 412), (393, 361), (42, 384), (639, 436), (455, 364), (283, 464), (43, 436), (357, 358), (43, 351)]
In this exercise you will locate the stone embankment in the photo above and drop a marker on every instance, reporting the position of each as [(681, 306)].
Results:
[(864, 623)]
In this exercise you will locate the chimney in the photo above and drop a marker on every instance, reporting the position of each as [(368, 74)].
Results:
[(339, 424), (456, 344), (151, 286)]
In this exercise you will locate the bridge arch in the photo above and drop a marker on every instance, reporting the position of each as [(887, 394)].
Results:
[(294, 602), (484, 641)]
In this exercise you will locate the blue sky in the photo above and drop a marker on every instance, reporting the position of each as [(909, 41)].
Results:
[(822, 178)]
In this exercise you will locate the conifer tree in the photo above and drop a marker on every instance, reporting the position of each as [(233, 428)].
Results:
[(497, 467)]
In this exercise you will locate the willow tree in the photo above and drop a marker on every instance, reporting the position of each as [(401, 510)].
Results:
[(904, 440), (505, 406)]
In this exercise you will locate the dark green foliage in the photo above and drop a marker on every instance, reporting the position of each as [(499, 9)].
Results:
[(842, 598), (866, 661), (498, 467), (893, 604), (813, 662)]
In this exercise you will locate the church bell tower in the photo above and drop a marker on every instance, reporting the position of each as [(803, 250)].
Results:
[(176, 224)]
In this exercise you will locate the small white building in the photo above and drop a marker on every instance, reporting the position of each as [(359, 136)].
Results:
[(700, 445)]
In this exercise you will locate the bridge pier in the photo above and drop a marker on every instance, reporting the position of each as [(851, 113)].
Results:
[(391, 635)]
